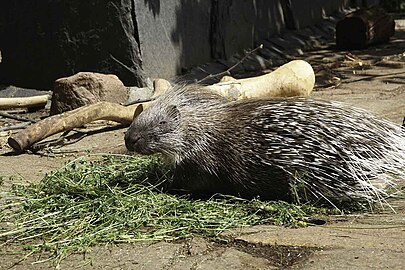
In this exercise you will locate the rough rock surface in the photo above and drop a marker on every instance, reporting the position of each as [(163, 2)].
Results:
[(86, 88), (42, 41)]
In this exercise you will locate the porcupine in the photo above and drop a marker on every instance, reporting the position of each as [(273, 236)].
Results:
[(271, 148)]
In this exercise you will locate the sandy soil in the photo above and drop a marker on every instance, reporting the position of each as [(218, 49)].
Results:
[(371, 241)]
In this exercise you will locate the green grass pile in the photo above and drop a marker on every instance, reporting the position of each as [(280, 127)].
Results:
[(118, 199)]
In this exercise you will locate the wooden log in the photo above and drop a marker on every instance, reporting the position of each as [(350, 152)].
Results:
[(160, 86), (23, 102), (296, 78), (364, 27), (73, 119)]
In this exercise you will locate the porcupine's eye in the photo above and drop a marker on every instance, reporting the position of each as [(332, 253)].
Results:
[(163, 126)]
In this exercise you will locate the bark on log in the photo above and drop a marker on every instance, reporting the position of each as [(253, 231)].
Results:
[(363, 28), (72, 119), (23, 102)]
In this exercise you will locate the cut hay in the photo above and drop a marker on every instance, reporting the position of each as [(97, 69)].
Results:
[(114, 199)]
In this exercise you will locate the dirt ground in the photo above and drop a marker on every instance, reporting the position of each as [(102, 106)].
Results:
[(367, 241)]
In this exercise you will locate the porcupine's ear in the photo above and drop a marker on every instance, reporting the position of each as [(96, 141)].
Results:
[(138, 111)]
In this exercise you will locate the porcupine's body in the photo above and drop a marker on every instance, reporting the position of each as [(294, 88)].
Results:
[(272, 148)]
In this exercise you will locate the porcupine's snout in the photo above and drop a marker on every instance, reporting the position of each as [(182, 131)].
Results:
[(135, 142), (131, 140)]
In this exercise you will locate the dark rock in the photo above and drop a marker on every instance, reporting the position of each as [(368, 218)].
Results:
[(11, 91), (86, 88), (41, 41)]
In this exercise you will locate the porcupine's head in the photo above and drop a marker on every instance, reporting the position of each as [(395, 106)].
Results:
[(154, 130), (176, 123)]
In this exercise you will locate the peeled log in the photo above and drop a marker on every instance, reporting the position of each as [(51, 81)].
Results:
[(72, 119), (296, 78), (363, 28), (23, 102)]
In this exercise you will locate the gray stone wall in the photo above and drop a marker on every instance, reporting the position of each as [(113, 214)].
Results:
[(241, 24), (43, 40), (174, 35), (179, 34)]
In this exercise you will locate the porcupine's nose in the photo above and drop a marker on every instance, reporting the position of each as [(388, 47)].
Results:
[(131, 140)]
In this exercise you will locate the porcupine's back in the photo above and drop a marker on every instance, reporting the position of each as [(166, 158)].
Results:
[(331, 151)]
